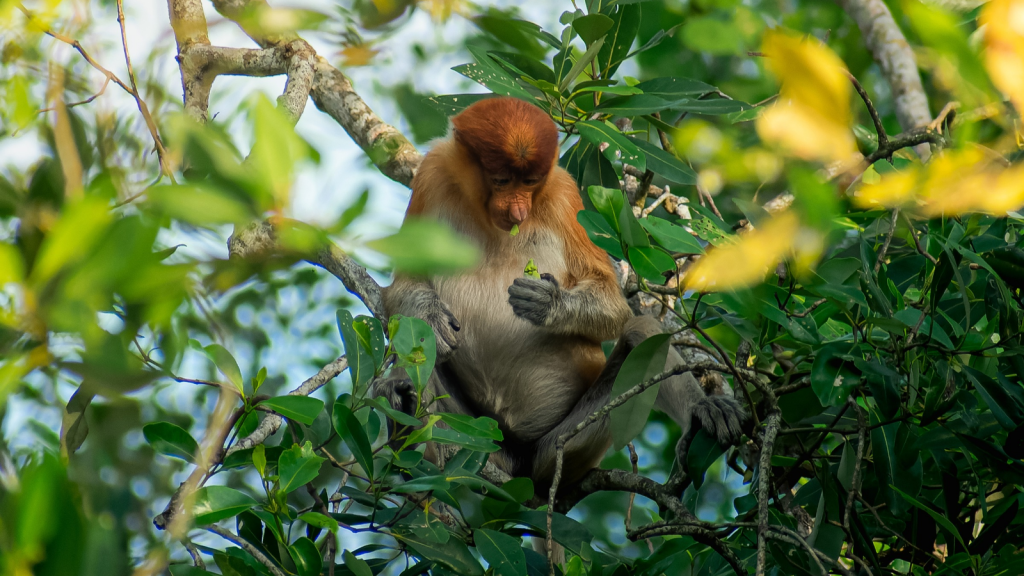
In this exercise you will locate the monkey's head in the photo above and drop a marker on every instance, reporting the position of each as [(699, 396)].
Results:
[(516, 145)]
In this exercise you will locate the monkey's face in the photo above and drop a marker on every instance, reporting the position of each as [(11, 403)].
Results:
[(511, 198)]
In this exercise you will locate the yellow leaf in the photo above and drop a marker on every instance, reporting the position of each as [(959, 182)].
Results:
[(746, 261), (811, 74), (1004, 42), (811, 119), (357, 55), (953, 183), (803, 133), (891, 190)]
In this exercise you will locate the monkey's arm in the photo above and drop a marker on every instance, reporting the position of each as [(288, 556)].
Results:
[(594, 307), (417, 299)]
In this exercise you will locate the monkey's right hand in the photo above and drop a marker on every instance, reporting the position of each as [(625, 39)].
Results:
[(445, 326)]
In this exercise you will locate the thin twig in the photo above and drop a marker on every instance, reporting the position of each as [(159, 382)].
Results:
[(883, 138), (862, 433), (106, 82), (244, 545), (888, 239)]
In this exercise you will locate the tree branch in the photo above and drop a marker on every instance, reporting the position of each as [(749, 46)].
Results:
[(890, 49), (259, 241), (273, 422), (333, 94), (245, 545)]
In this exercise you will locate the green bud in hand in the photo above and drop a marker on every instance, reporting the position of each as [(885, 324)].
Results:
[(531, 270)]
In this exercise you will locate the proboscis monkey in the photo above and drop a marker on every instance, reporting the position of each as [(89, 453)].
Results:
[(523, 351)]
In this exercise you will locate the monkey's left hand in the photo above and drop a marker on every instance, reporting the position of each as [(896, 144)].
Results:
[(533, 300)]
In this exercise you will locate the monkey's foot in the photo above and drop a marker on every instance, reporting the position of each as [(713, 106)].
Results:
[(722, 416), (399, 391)]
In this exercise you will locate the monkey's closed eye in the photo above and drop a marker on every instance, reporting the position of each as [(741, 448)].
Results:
[(531, 181), (500, 181)]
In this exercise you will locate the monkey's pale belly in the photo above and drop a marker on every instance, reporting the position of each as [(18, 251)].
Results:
[(522, 375)]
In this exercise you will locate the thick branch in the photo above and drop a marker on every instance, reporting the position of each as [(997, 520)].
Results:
[(764, 491), (259, 240), (332, 93), (890, 49)]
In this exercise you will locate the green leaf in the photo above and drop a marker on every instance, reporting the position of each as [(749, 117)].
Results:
[(664, 164), (320, 521), (348, 428), (362, 363), (427, 247), (399, 417), (671, 236), (298, 466), (171, 440), (357, 565), (1004, 407), (602, 87), (487, 72), (619, 147), (452, 104), (608, 202), (701, 454), (504, 554), (643, 362), (298, 408), (633, 233), (225, 362), (417, 349), (710, 107), (81, 226), (635, 105), (600, 232), (626, 24), (675, 88), (453, 554), (580, 65), (216, 503), (713, 35), (199, 204), (306, 557), (259, 459), (482, 427), (592, 27), (566, 531), (651, 263), (939, 518), (422, 484), (832, 376), (524, 65)]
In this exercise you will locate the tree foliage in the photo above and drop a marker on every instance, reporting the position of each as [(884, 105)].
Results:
[(855, 282)]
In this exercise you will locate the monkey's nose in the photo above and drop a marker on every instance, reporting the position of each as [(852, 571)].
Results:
[(518, 213)]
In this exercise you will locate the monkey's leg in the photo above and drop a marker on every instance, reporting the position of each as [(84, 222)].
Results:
[(681, 397), (585, 450)]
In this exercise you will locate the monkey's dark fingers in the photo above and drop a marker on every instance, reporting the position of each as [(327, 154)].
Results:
[(549, 278), (722, 417), (530, 288), (451, 319)]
